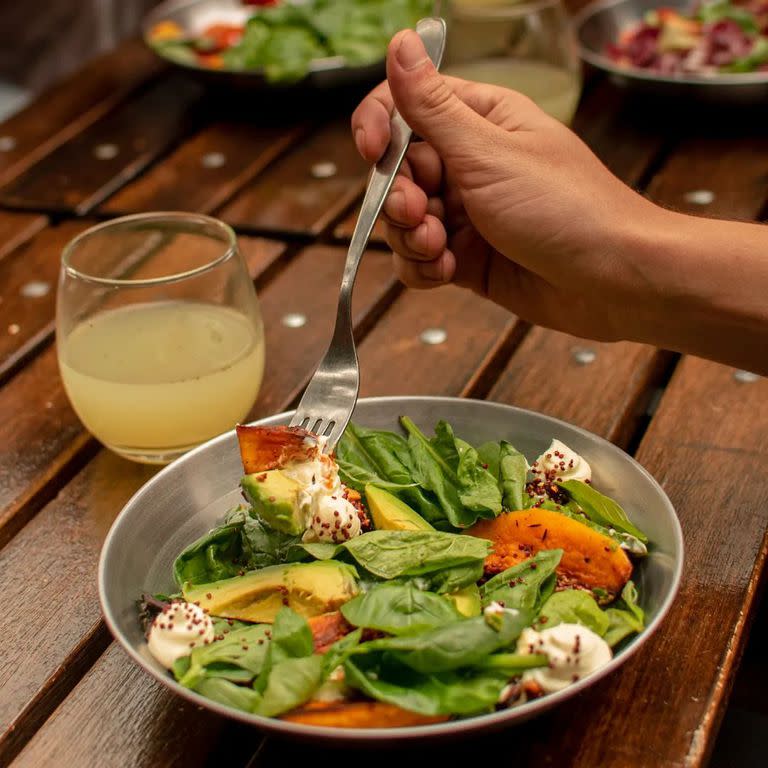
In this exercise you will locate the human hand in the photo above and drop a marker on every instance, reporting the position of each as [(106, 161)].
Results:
[(504, 200)]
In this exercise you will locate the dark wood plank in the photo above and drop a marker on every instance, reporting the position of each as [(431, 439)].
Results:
[(288, 198), (189, 736), (396, 357), (309, 287), (82, 512), (15, 228), (42, 438), (64, 110), (725, 175), (27, 318), (558, 375), (204, 172), (83, 172)]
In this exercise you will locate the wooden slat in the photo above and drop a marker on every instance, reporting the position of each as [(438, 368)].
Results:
[(84, 509), (189, 736), (15, 228), (287, 198), (64, 110), (204, 172), (395, 360), (30, 317), (545, 374), (731, 166), (42, 439), (74, 179)]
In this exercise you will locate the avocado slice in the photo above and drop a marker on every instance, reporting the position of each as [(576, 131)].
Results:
[(307, 588), (275, 498), (467, 601), (391, 514)]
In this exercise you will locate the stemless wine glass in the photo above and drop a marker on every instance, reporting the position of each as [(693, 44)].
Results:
[(160, 337), (528, 46)]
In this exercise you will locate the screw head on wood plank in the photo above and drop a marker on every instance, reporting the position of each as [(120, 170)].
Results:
[(583, 355), (323, 170), (35, 289), (7, 143), (433, 336), (745, 377), (106, 151), (699, 197), (213, 160), (294, 320)]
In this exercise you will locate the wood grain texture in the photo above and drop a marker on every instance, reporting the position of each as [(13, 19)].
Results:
[(544, 375), (143, 716), (43, 441), (204, 172), (26, 322), (287, 198), (394, 360), (15, 228), (733, 167), (73, 178), (64, 110)]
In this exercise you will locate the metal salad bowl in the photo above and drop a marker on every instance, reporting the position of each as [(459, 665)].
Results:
[(188, 498), (194, 16), (600, 23)]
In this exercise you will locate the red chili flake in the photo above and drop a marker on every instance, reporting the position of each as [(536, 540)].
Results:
[(241, 573), (230, 622), (208, 595), (261, 641), (533, 566), (335, 511), (586, 560), (191, 645), (543, 619), (201, 632), (272, 499), (575, 678)]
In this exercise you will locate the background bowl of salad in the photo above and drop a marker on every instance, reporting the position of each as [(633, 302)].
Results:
[(711, 50), (280, 43)]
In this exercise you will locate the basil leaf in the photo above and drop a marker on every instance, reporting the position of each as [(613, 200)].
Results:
[(601, 509), (211, 557), (227, 693), (526, 585), (513, 473), (340, 651), (573, 606), (464, 643), (291, 638), (399, 609), (292, 682), (448, 693), (625, 616), (457, 577)]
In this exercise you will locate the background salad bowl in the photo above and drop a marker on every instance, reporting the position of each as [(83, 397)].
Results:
[(189, 497)]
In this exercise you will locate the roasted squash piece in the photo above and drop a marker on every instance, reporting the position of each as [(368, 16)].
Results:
[(266, 448), (327, 629), (590, 559), (358, 714)]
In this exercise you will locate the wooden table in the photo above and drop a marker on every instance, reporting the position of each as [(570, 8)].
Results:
[(126, 136)]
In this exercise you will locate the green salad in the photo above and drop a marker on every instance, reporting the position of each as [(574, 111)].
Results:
[(281, 40), (406, 580)]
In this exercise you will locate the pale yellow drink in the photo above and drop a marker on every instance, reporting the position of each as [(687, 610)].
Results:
[(554, 89), (162, 377)]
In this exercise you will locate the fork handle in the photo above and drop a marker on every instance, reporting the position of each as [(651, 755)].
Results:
[(432, 33)]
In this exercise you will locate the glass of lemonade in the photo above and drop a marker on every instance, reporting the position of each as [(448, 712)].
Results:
[(527, 46), (160, 337)]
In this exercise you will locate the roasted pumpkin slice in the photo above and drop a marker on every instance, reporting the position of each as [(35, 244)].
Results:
[(590, 559), (266, 448), (358, 714), (327, 629)]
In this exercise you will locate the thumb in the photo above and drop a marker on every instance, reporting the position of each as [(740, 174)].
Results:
[(425, 100)]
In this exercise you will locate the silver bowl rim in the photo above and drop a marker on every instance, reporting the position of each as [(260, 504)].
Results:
[(601, 61), (161, 12), (478, 722)]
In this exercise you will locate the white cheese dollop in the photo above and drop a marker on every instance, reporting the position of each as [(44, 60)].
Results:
[(177, 630), (573, 652), (559, 463)]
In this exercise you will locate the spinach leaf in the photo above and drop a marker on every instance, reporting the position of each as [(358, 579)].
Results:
[(390, 554), (513, 473), (340, 651), (399, 609), (243, 649), (288, 52), (526, 585), (452, 470), (625, 616), (574, 606), (601, 509), (291, 683), (463, 643), (382, 677), (261, 545), (212, 557), (711, 12), (457, 577), (381, 458), (227, 693), (513, 664)]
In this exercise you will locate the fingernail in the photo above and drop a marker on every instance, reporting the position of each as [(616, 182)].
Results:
[(360, 139), (411, 52)]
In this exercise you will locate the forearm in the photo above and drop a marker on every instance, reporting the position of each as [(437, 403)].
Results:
[(703, 287)]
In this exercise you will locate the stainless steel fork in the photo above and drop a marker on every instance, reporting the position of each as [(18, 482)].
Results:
[(330, 398)]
